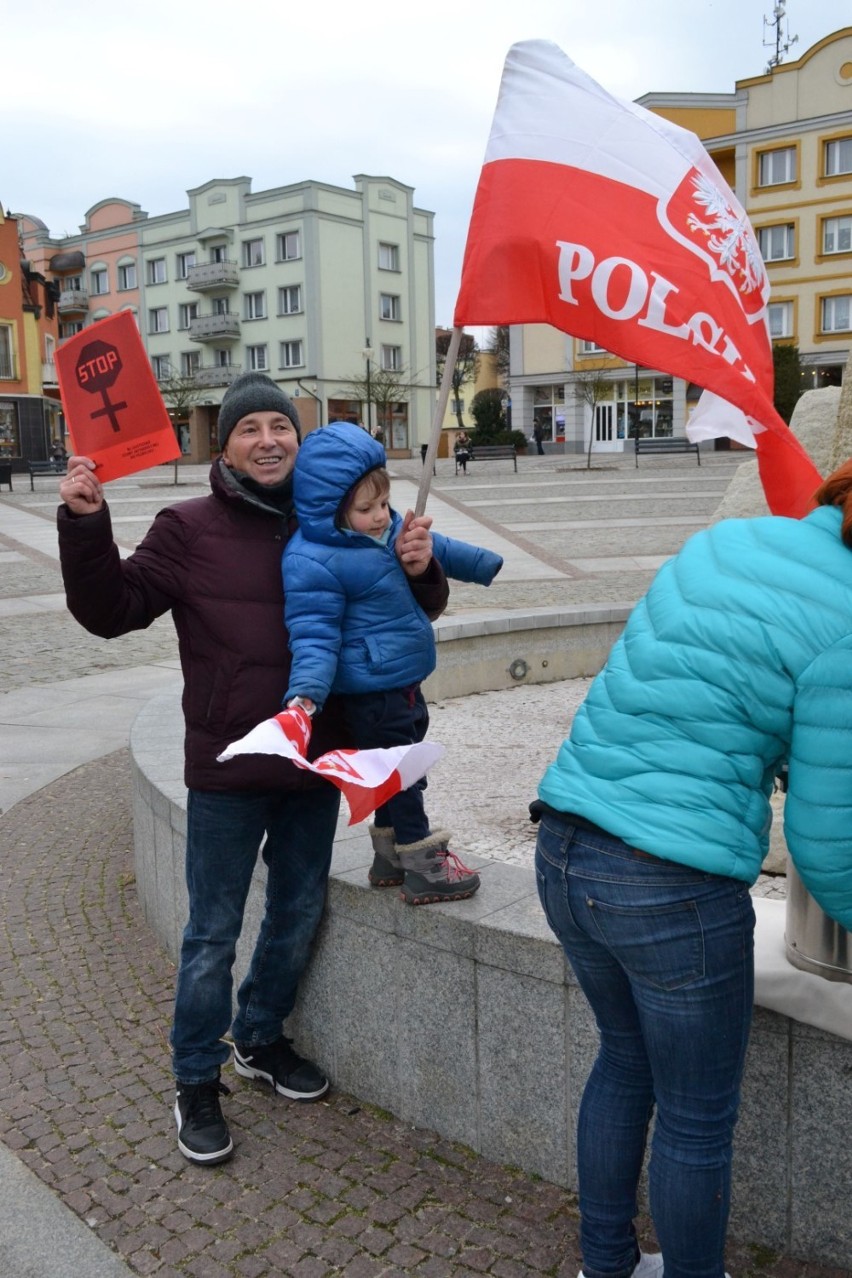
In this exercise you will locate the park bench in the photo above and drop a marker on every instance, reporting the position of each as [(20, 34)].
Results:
[(44, 468), (666, 444), (492, 452)]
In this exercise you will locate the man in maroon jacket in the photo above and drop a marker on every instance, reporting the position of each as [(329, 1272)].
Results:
[(215, 562)]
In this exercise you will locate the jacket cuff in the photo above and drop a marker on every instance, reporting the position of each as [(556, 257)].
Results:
[(431, 589)]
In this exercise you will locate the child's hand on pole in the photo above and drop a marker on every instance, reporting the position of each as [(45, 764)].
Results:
[(414, 543)]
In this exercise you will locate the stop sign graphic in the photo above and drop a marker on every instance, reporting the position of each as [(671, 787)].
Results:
[(97, 367)]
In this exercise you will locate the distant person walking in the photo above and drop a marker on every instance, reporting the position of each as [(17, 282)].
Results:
[(538, 436), (462, 450)]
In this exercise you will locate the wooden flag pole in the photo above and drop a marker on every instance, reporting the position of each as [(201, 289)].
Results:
[(438, 420)]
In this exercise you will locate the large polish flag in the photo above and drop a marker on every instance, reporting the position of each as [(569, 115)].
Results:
[(614, 225), (366, 778)]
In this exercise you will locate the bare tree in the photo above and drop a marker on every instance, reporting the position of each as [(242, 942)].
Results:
[(180, 395), (498, 348), (466, 369), (385, 388), (591, 388)]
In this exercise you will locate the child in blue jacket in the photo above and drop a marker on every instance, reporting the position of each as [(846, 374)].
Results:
[(355, 630)]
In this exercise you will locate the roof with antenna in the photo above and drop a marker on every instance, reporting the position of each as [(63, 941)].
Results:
[(782, 41)]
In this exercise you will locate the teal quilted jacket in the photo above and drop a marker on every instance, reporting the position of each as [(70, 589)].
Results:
[(738, 658)]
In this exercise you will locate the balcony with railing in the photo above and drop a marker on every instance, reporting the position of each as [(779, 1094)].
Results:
[(48, 374), (210, 275), (73, 301), (223, 326), (217, 375)]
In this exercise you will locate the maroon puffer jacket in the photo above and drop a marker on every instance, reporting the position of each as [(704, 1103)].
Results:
[(216, 563)]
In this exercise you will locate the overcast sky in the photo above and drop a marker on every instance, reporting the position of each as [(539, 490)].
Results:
[(146, 101)]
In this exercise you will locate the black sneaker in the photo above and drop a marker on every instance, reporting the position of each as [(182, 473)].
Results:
[(203, 1135), (276, 1063)]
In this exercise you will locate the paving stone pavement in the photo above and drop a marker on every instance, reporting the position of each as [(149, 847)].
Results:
[(332, 1188), (85, 1091)]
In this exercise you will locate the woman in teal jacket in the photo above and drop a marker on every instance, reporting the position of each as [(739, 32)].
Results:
[(654, 823)]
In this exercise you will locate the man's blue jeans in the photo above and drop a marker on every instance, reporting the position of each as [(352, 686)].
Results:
[(224, 834), (664, 954)]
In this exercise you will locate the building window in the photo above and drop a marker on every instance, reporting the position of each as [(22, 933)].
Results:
[(289, 246), (591, 348), (219, 306), (838, 157), (126, 276), (397, 428), (291, 355), (158, 320), (100, 281), (777, 243), (222, 358), (253, 253), (187, 312), (392, 359), (780, 319), (456, 406), (161, 366), (10, 438), (184, 263), (7, 363), (388, 257), (837, 235), (290, 299), (836, 312), (71, 283), (69, 327), (776, 167), (258, 360), (157, 270), (255, 306), (190, 362), (389, 307), (549, 410), (218, 253)]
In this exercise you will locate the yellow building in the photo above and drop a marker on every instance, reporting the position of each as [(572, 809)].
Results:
[(485, 377), (783, 142)]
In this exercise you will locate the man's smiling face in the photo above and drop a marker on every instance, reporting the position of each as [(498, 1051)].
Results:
[(262, 446)]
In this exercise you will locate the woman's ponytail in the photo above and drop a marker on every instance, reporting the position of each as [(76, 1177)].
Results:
[(837, 491)]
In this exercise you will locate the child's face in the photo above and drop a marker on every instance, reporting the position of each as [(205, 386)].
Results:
[(368, 513)]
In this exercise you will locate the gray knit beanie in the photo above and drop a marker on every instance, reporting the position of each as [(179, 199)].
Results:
[(253, 393)]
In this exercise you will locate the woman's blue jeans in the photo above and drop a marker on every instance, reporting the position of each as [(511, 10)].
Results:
[(664, 955), (224, 836)]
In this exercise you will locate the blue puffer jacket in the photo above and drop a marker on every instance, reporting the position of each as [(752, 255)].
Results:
[(353, 623), (738, 657)]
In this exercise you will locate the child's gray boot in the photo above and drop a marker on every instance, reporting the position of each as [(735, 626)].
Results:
[(386, 870), (434, 873)]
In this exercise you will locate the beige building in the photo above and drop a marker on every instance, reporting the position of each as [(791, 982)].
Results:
[(783, 142), (327, 290)]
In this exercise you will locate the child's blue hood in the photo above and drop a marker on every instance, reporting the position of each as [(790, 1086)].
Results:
[(329, 463)]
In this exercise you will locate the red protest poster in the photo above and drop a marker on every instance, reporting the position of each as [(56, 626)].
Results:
[(113, 406)]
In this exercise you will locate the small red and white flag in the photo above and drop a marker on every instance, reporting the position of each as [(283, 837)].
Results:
[(366, 778), (614, 225)]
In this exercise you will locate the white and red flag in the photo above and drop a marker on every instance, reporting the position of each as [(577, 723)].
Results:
[(366, 778), (614, 225)]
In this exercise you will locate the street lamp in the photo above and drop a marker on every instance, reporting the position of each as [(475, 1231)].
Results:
[(368, 356)]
